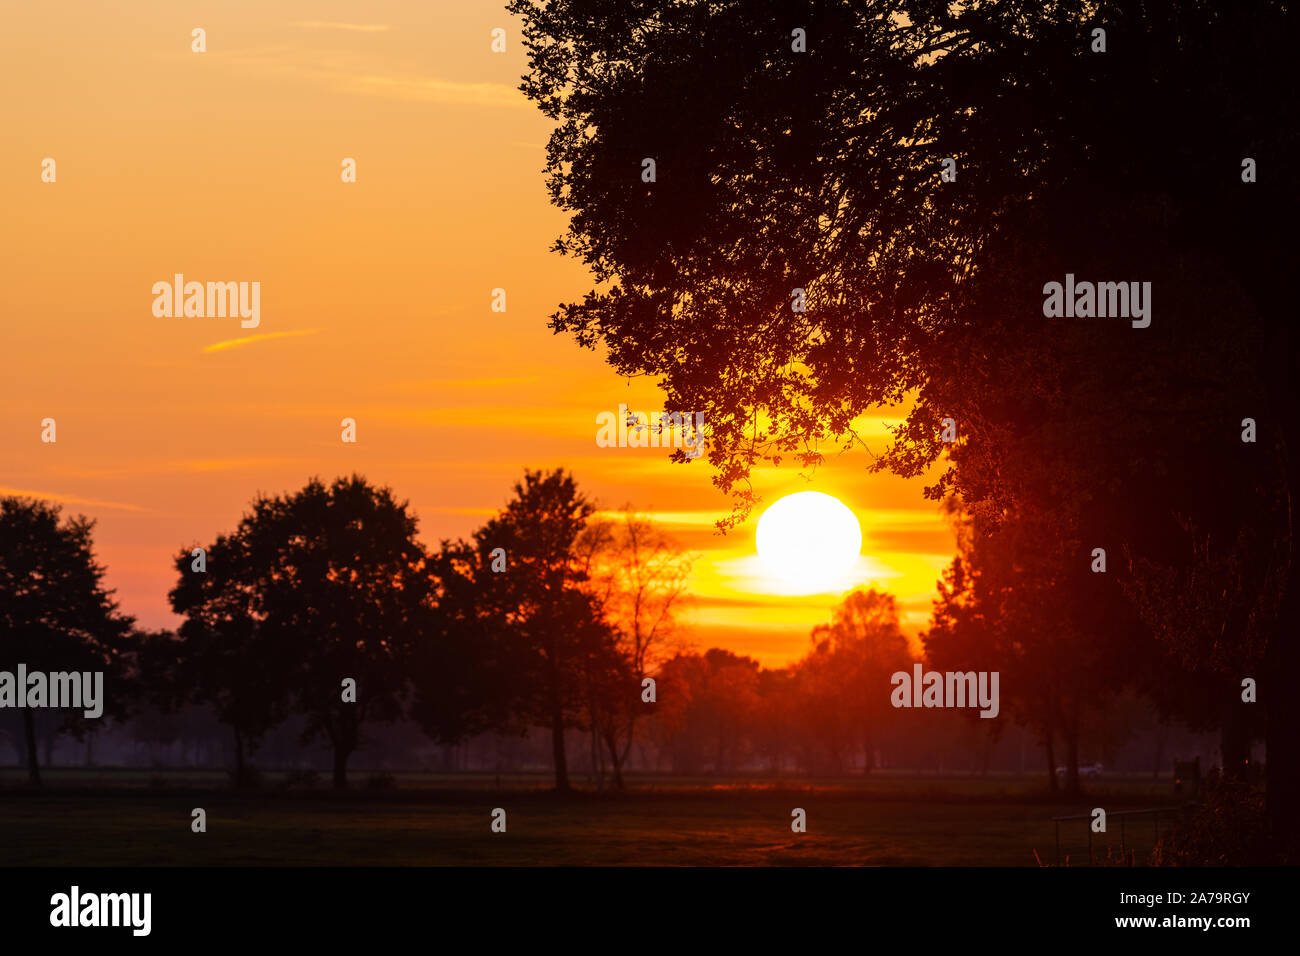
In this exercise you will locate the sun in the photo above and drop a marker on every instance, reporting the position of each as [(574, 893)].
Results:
[(810, 542)]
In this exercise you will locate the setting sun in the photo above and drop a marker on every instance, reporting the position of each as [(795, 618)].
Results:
[(810, 542)]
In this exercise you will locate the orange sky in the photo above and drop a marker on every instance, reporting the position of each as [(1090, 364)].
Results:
[(375, 297)]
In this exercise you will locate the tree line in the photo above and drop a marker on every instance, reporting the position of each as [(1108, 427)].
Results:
[(552, 615), (324, 605)]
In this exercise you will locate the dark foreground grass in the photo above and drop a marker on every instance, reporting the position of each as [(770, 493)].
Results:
[(910, 822)]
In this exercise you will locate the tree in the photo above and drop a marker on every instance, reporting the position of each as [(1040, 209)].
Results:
[(1024, 603), (844, 681), (1214, 611), (542, 633), (637, 575), (772, 730), (467, 677), (221, 655), (708, 703), (1088, 443), (820, 171), (55, 613), (324, 587)]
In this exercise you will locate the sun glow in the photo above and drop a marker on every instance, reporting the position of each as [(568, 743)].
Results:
[(810, 542)]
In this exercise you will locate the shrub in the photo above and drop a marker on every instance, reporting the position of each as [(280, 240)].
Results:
[(1229, 828)]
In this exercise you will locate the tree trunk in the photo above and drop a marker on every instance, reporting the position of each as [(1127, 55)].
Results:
[(33, 761), (239, 758), (615, 760), (557, 748), (1234, 737), (618, 757), (1050, 748), (597, 756), (341, 755)]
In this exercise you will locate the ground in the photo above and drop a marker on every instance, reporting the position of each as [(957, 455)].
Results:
[(131, 818)]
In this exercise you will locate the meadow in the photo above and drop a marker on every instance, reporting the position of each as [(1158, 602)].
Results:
[(130, 818)]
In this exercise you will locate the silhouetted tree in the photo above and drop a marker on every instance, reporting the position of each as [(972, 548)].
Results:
[(779, 170), (55, 613), (467, 678), (322, 586), (844, 681), (637, 575), (706, 705), (522, 643), (1018, 603), (221, 655)]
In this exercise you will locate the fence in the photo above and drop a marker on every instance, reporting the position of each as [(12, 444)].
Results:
[(1122, 816)]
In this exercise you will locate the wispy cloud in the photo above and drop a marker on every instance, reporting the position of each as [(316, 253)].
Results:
[(432, 90), (370, 73), (235, 343), (350, 27), (69, 499), (139, 468), (690, 518)]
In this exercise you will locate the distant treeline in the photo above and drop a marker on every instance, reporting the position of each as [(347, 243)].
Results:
[(193, 739), (321, 617)]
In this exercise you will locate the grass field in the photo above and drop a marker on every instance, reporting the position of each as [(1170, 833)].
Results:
[(116, 818)]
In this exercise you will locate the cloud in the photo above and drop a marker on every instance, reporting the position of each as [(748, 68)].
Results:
[(920, 542), (366, 73), (666, 518), (69, 499), (433, 90), (138, 469), (235, 343), (472, 512)]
